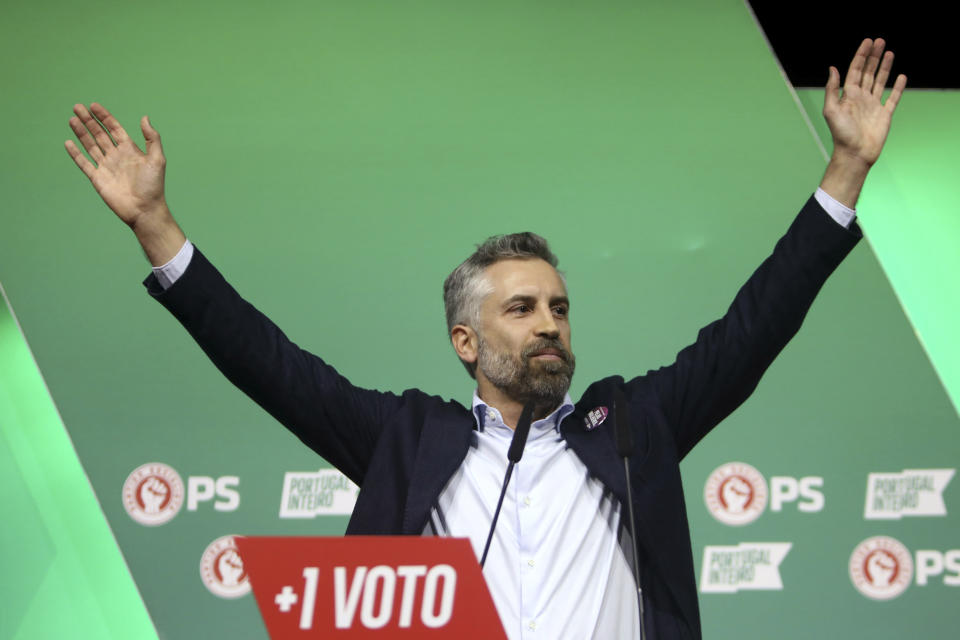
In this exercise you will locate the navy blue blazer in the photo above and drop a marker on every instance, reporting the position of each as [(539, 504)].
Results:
[(402, 449)]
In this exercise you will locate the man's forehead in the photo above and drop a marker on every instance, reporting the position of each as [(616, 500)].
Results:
[(524, 276)]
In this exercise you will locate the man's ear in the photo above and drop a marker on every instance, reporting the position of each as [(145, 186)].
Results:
[(465, 342)]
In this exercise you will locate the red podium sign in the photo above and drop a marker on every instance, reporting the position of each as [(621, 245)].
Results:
[(369, 587)]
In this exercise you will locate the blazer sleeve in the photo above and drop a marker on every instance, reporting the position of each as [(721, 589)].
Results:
[(336, 419), (714, 375)]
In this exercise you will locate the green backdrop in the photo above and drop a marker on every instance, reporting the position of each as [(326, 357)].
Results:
[(336, 160)]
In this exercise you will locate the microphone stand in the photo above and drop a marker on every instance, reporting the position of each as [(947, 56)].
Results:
[(624, 438), (513, 454)]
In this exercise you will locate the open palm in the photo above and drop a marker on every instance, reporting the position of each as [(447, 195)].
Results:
[(129, 180), (859, 120)]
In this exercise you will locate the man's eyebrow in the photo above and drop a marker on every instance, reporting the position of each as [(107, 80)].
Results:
[(520, 297)]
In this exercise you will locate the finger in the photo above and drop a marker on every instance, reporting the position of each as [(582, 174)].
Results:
[(883, 74), (85, 165), (152, 138), (95, 128), (894, 98), (117, 132), (832, 93), (873, 61), (855, 72), (86, 139)]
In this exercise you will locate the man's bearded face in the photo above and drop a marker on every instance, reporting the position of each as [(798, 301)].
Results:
[(530, 374)]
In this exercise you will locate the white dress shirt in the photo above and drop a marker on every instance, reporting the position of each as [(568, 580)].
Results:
[(555, 568)]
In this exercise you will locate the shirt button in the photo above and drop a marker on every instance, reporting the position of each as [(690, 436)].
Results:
[(533, 625), (490, 415), (531, 562), (526, 500)]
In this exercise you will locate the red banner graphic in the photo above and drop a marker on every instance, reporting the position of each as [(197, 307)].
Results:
[(369, 587)]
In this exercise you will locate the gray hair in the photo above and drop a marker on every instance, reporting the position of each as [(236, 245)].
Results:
[(466, 287)]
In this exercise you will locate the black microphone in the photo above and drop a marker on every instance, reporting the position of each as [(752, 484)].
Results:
[(520, 433), (624, 438), (513, 455), (624, 435)]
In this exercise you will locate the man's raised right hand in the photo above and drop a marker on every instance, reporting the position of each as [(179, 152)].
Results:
[(129, 180)]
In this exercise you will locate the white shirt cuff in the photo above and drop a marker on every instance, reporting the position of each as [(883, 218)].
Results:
[(843, 214), (169, 273)]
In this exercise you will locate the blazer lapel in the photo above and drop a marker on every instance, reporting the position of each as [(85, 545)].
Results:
[(597, 449), (444, 443)]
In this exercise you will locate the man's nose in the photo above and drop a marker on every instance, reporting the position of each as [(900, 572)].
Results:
[(547, 324)]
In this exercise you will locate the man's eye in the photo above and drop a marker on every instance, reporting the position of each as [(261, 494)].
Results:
[(521, 308), (561, 311)]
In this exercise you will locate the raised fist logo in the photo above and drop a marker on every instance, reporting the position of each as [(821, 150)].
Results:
[(221, 569), (881, 568), (735, 494), (153, 493), (230, 568)]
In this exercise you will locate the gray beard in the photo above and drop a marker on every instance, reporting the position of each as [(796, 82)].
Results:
[(524, 379)]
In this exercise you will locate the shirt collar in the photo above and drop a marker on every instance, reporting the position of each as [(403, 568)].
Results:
[(487, 416)]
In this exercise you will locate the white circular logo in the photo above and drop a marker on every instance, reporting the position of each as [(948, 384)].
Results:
[(881, 568), (735, 493), (222, 570), (153, 494)]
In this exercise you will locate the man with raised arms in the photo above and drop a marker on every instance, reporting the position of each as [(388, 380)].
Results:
[(561, 561)]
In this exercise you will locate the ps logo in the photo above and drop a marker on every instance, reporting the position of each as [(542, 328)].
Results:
[(204, 488), (804, 491), (153, 493), (736, 493)]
